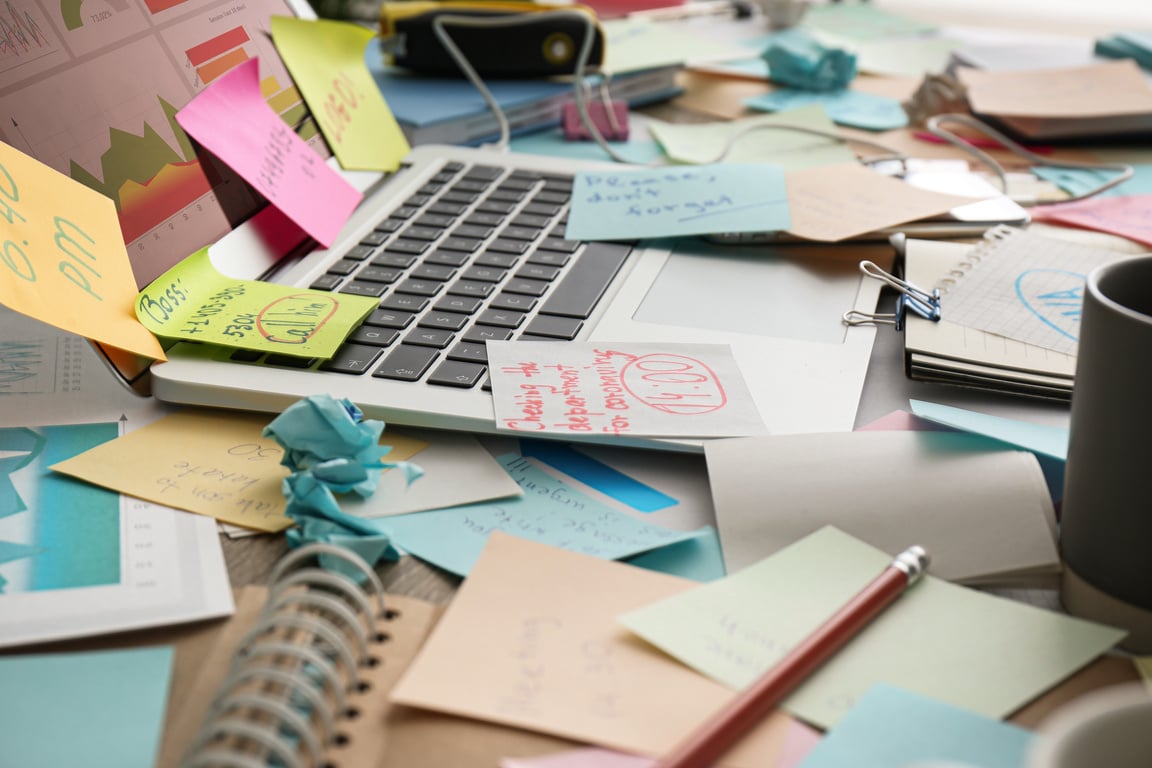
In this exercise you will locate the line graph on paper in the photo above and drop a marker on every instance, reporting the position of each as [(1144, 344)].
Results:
[(25, 36)]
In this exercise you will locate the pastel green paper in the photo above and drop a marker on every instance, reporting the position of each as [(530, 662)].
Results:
[(963, 647)]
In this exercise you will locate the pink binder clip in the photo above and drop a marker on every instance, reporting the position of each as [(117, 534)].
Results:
[(608, 115)]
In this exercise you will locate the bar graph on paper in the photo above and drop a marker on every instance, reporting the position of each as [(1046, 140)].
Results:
[(101, 109)]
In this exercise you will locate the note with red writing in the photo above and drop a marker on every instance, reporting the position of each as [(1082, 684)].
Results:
[(667, 390), (231, 119), (1129, 216), (62, 256), (326, 59)]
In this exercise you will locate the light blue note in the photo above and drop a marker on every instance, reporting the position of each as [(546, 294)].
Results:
[(102, 709), (550, 511), (1037, 438), (699, 558), (1080, 181), (890, 726), (678, 200), (852, 108)]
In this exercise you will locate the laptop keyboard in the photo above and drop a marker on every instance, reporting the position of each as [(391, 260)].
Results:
[(477, 253)]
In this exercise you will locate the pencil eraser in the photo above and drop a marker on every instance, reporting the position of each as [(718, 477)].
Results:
[(612, 126)]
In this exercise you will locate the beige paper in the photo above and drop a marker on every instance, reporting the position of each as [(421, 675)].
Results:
[(1096, 90), (984, 513), (836, 202), (214, 463), (531, 640)]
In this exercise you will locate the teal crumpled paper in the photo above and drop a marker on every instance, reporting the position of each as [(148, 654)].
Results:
[(800, 61), (332, 449)]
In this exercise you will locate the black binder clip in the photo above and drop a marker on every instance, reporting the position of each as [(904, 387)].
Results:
[(911, 298)]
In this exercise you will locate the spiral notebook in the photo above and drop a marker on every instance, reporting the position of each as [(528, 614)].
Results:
[(301, 675), (989, 338)]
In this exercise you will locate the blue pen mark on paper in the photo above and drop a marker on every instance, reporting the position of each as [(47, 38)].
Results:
[(678, 200), (1057, 306), (596, 474)]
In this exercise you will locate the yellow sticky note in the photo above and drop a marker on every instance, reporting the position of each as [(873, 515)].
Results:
[(194, 301), (62, 256), (326, 59), (215, 463)]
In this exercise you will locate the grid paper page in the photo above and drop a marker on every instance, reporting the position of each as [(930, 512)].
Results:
[(1023, 286)]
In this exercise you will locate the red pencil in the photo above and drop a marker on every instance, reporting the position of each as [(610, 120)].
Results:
[(716, 736)]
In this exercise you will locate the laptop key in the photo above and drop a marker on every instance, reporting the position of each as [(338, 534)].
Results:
[(406, 363), (326, 282), (389, 318), (454, 373), (554, 327), (578, 291), (469, 352), (289, 361), (374, 336), (364, 288), (351, 358)]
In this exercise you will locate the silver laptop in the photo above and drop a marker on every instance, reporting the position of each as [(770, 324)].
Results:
[(462, 246)]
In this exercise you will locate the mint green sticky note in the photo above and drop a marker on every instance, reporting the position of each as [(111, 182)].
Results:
[(678, 200), (102, 709), (890, 726), (967, 648)]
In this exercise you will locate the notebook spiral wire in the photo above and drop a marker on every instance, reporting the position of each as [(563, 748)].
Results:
[(297, 674)]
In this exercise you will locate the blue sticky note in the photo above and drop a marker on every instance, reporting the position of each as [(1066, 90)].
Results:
[(550, 511), (890, 726), (678, 200), (1038, 438), (699, 558), (1081, 181), (101, 709), (596, 474), (852, 108)]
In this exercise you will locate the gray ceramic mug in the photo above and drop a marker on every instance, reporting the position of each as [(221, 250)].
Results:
[(1106, 521)]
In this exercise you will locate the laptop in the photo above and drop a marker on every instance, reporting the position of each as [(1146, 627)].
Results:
[(464, 245)]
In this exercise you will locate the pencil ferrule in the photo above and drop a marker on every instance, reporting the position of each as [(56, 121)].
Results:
[(913, 561)]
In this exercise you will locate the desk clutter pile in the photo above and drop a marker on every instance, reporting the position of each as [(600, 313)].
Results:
[(605, 578)]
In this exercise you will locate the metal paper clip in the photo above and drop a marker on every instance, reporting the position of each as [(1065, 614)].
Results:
[(911, 298)]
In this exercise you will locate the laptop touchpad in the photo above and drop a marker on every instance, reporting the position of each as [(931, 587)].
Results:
[(796, 292)]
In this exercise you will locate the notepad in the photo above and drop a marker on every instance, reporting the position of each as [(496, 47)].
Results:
[(947, 351)]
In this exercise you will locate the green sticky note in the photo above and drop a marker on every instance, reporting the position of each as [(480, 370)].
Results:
[(967, 648), (326, 59), (195, 302)]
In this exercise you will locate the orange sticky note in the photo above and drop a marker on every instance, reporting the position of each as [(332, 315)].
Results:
[(62, 256)]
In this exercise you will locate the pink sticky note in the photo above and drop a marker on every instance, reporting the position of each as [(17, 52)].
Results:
[(1128, 216), (231, 119)]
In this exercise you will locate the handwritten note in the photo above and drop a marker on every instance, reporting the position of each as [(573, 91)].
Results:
[(735, 628), (232, 120), (684, 390), (550, 511), (62, 256), (1129, 216), (659, 202), (209, 462), (194, 301), (1026, 287), (326, 59)]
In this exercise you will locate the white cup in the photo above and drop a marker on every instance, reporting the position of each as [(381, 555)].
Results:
[(1108, 728)]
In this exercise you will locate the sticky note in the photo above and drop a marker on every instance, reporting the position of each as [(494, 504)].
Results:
[(62, 256), (194, 301), (326, 59), (550, 511), (678, 200), (852, 108), (232, 120)]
